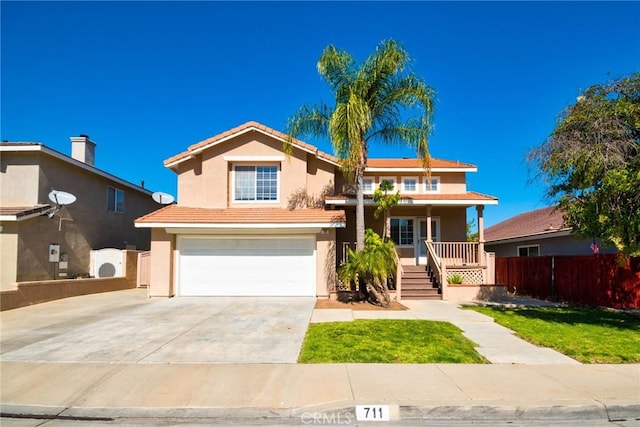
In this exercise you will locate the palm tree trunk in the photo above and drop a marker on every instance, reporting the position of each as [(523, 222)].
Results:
[(359, 212), (379, 294)]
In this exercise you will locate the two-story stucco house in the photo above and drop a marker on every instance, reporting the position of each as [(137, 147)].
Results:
[(252, 220), (101, 216)]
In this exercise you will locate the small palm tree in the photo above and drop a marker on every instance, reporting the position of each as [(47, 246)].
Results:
[(375, 100), (385, 202), (372, 266)]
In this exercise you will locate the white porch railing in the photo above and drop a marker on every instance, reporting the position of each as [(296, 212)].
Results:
[(434, 262), (344, 253), (457, 253), (466, 259)]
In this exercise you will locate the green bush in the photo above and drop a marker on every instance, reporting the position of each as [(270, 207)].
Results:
[(455, 279)]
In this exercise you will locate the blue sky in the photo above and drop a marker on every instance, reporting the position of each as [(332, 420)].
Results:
[(147, 79)]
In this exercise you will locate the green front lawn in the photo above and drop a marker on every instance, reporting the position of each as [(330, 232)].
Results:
[(586, 334), (387, 341)]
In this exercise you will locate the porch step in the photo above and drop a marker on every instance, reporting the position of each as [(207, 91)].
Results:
[(414, 268), (417, 284), (419, 281), (420, 292)]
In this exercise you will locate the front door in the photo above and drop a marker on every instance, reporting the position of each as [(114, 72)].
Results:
[(421, 248)]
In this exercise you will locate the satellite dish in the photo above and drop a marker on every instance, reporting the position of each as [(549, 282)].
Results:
[(162, 198), (61, 198)]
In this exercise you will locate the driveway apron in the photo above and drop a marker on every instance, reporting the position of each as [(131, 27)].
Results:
[(176, 330)]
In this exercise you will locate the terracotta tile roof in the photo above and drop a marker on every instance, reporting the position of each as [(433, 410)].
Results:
[(186, 215), (469, 195), (242, 128), (415, 163), (22, 211), (541, 221)]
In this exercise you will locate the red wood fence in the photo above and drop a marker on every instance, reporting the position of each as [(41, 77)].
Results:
[(597, 280)]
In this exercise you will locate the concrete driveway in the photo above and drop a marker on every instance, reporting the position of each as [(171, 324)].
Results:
[(126, 327)]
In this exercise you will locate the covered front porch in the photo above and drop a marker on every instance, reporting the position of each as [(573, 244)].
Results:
[(432, 247)]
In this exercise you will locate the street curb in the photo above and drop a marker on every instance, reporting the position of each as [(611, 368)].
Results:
[(340, 411)]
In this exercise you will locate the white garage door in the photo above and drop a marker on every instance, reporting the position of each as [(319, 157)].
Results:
[(247, 267)]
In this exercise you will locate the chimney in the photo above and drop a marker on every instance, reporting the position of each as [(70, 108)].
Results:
[(83, 149)]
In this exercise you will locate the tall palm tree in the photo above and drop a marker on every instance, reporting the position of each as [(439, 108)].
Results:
[(378, 100)]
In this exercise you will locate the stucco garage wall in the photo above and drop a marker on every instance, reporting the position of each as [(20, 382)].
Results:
[(8, 254), (162, 260), (326, 267)]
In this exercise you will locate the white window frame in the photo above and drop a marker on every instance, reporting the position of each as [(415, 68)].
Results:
[(373, 184), (404, 187), (413, 231), (527, 247), (428, 189), (255, 165), (116, 191), (389, 178)]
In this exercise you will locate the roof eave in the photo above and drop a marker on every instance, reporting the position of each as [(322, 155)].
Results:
[(16, 218), (191, 153), (543, 235), (405, 202), (70, 160), (265, 225), (432, 170)]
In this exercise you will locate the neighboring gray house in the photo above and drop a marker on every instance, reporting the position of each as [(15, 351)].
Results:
[(31, 225), (537, 233)]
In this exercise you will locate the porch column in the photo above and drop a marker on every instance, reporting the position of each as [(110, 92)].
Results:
[(429, 224), (480, 212)]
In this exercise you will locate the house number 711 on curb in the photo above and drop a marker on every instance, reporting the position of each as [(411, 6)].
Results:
[(372, 412)]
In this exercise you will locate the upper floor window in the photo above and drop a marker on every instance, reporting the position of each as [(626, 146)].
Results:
[(255, 183), (533, 250), (115, 200), (391, 180), (432, 185), (409, 185), (367, 185)]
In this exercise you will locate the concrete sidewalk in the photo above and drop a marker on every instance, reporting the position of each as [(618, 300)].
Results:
[(496, 343), (94, 384), (272, 392)]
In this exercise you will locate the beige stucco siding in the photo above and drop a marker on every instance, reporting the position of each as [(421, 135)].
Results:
[(450, 182), (206, 180), (27, 180), (453, 222), (99, 227), (19, 179), (320, 178), (325, 263), (162, 261), (8, 254)]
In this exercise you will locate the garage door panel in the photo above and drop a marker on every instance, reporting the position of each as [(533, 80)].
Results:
[(247, 267)]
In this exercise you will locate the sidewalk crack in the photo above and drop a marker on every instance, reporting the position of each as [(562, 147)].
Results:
[(454, 383), (175, 338)]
